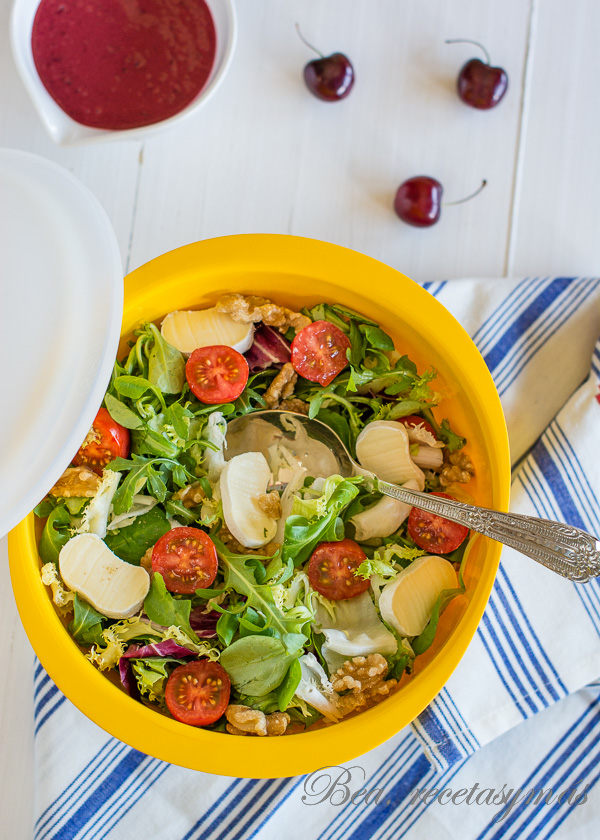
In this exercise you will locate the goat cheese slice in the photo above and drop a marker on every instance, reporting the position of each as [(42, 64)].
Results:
[(113, 587)]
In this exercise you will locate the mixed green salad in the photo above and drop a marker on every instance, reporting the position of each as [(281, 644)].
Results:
[(242, 593)]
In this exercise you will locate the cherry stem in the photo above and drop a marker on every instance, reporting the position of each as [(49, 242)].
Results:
[(476, 43), (304, 41), (468, 197)]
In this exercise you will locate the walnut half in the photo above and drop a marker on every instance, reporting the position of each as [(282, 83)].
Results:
[(76, 482), (242, 720), (282, 386), (458, 469), (363, 678), (251, 309)]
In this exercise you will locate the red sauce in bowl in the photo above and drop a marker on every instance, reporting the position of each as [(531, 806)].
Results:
[(119, 64)]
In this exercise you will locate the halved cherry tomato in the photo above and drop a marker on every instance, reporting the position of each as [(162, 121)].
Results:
[(433, 533), (319, 352), (216, 374), (413, 420), (198, 693), (331, 570), (106, 440), (187, 560)]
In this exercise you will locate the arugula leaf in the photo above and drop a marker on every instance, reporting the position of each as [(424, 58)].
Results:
[(86, 626), (256, 664), (242, 574), (146, 441), (133, 541), (166, 365), (56, 533), (142, 470), (46, 506), (162, 608)]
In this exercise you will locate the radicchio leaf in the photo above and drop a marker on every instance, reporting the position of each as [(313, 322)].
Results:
[(269, 349), (204, 624), (168, 648)]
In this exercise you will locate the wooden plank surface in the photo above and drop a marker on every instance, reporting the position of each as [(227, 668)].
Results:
[(265, 156)]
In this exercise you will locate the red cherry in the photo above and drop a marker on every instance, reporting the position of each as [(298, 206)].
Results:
[(329, 77), (479, 84), (418, 201)]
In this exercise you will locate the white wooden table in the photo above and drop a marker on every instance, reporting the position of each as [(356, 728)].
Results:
[(265, 156)]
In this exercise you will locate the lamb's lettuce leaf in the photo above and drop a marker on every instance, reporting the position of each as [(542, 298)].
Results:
[(132, 542), (256, 664)]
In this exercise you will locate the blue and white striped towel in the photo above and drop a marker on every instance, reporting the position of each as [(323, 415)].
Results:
[(464, 769)]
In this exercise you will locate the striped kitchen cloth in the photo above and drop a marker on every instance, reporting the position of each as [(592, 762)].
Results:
[(464, 769)]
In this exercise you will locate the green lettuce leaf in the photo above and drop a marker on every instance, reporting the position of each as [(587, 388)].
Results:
[(256, 664), (132, 542)]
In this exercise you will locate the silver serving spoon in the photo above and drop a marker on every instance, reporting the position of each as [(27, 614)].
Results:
[(566, 550)]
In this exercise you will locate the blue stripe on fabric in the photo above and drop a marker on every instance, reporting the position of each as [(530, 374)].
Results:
[(473, 740), (49, 714), (271, 786), (91, 770), (434, 287), (513, 303), (110, 785), (558, 763), (52, 692), (532, 312), (540, 336), (524, 620), (581, 592), (405, 819), (549, 470), (557, 823), (40, 682), (518, 659), (38, 669), (130, 795), (385, 808), (398, 758), (275, 808), (440, 707), (217, 817), (577, 478), (485, 621), (438, 736)]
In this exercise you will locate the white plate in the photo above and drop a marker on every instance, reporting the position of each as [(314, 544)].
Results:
[(62, 303), (67, 132)]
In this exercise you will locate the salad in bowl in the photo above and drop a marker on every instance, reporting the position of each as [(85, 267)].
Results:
[(218, 580)]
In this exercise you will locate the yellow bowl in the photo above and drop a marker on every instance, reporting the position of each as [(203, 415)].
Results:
[(295, 271)]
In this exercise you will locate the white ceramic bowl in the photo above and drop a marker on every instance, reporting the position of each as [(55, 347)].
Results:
[(64, 130)]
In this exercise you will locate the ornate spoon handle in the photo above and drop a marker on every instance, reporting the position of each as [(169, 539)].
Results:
[(566, 550)]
